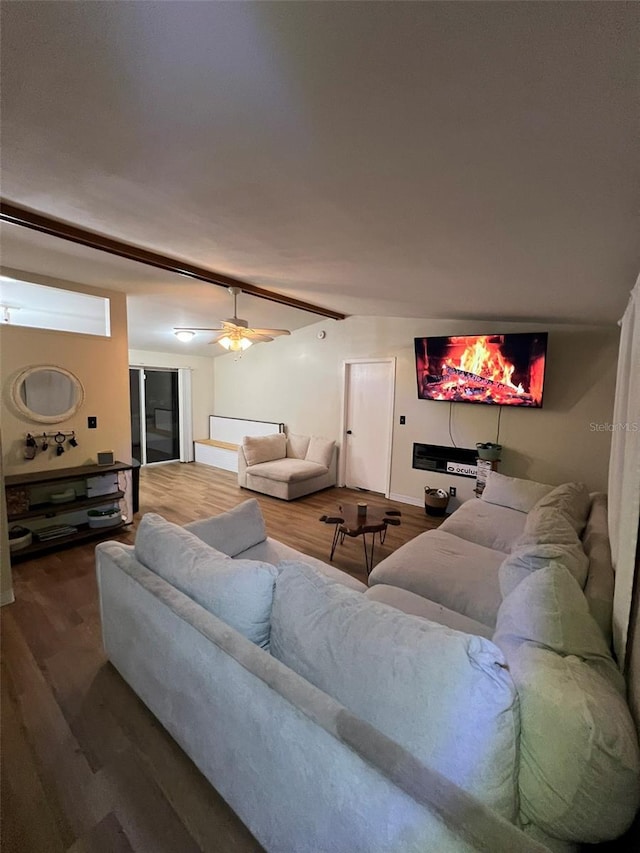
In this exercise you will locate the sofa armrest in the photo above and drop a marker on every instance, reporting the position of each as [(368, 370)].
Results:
[(242, 467), (333, 467)]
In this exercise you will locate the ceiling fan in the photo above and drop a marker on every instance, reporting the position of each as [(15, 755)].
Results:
[(234, 333)]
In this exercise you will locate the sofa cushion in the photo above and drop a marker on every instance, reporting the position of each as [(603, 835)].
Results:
[(546, 526), (297, 446), (579, 764), (490, 525), (530, 558), (233, 531), (442, 694), (513, 492), (549, 610), (572, 500), (240, 592), (320, 450), (458, 574), (409, 602), (287, 470), (264, 448), (272, 551)]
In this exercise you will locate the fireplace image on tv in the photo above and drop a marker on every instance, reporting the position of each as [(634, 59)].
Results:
[(501, 370)]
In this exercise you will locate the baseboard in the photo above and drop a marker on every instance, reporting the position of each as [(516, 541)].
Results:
[(406, 499), (7, 597)]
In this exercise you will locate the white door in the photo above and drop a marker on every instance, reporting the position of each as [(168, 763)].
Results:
[(368, 424)]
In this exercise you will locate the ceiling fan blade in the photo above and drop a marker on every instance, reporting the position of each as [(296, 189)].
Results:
[(235, 328), (274, 333), (198, 328)]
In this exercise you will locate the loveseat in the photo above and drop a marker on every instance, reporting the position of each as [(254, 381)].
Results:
[(286, 466), (332, 721)]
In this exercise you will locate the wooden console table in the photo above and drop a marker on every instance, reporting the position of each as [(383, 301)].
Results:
[(29, 499)]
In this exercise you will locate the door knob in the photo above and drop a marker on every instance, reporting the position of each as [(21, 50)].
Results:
[(349, 432)]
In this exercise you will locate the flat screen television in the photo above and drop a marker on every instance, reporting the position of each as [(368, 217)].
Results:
[(500, 370)]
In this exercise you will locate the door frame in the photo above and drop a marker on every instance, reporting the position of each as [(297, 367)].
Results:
[(185, 437), (342, 467)]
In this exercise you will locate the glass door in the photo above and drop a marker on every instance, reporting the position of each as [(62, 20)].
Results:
[(155, 434)]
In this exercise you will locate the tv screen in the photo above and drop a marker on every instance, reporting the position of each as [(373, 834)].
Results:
[(502, 370)]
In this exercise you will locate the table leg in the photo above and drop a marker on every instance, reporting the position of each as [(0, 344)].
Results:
[(368, 557), (336, 536)]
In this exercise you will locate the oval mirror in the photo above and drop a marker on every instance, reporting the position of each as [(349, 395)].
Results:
[(47, 394)]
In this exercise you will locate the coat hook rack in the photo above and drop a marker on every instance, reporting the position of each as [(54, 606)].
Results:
[(58, 438), (69, 433)]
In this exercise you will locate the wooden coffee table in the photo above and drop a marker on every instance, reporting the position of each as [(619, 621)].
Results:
[(348, 523)]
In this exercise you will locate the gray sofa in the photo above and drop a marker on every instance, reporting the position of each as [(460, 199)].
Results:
[(304, 772), (286, 466), (361, 725), (458, 565)]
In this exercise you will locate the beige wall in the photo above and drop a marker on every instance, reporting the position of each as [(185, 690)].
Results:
[(101, 364), (201, 381), (298, 380)]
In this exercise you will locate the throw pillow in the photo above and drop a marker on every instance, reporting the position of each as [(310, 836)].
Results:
[(234, 531), (579, 763), (320, 450), (546, 526), (513, 492), (525, 559), (297, 446), (572, 500), (264, 448), (442, 694), (240, 592), (548, 609)]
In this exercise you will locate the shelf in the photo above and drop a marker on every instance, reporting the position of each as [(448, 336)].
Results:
[(79, 473), (83, 534), (51, 509), (119, 490)]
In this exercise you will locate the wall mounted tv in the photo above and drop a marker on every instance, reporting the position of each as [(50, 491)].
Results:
[(501, 370)]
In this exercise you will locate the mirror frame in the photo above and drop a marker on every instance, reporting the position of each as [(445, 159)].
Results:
[(19, 403)]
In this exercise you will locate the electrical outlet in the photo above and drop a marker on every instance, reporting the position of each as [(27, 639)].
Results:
[(453, 491), (403, 420), (92, 422)]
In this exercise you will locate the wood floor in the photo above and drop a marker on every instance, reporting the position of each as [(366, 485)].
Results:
[(85, 766)]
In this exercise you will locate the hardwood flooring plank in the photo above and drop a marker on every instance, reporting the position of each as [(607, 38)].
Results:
[(105, 837), (147, 818), (63, 768), (23, 796)]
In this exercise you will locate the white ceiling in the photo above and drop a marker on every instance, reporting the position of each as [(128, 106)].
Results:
[(436, 159)]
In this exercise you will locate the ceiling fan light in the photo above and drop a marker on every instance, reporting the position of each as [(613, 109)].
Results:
[(184, 335), (234, 344)]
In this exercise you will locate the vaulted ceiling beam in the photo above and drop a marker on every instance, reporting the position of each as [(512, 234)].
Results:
[(26, 218)]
